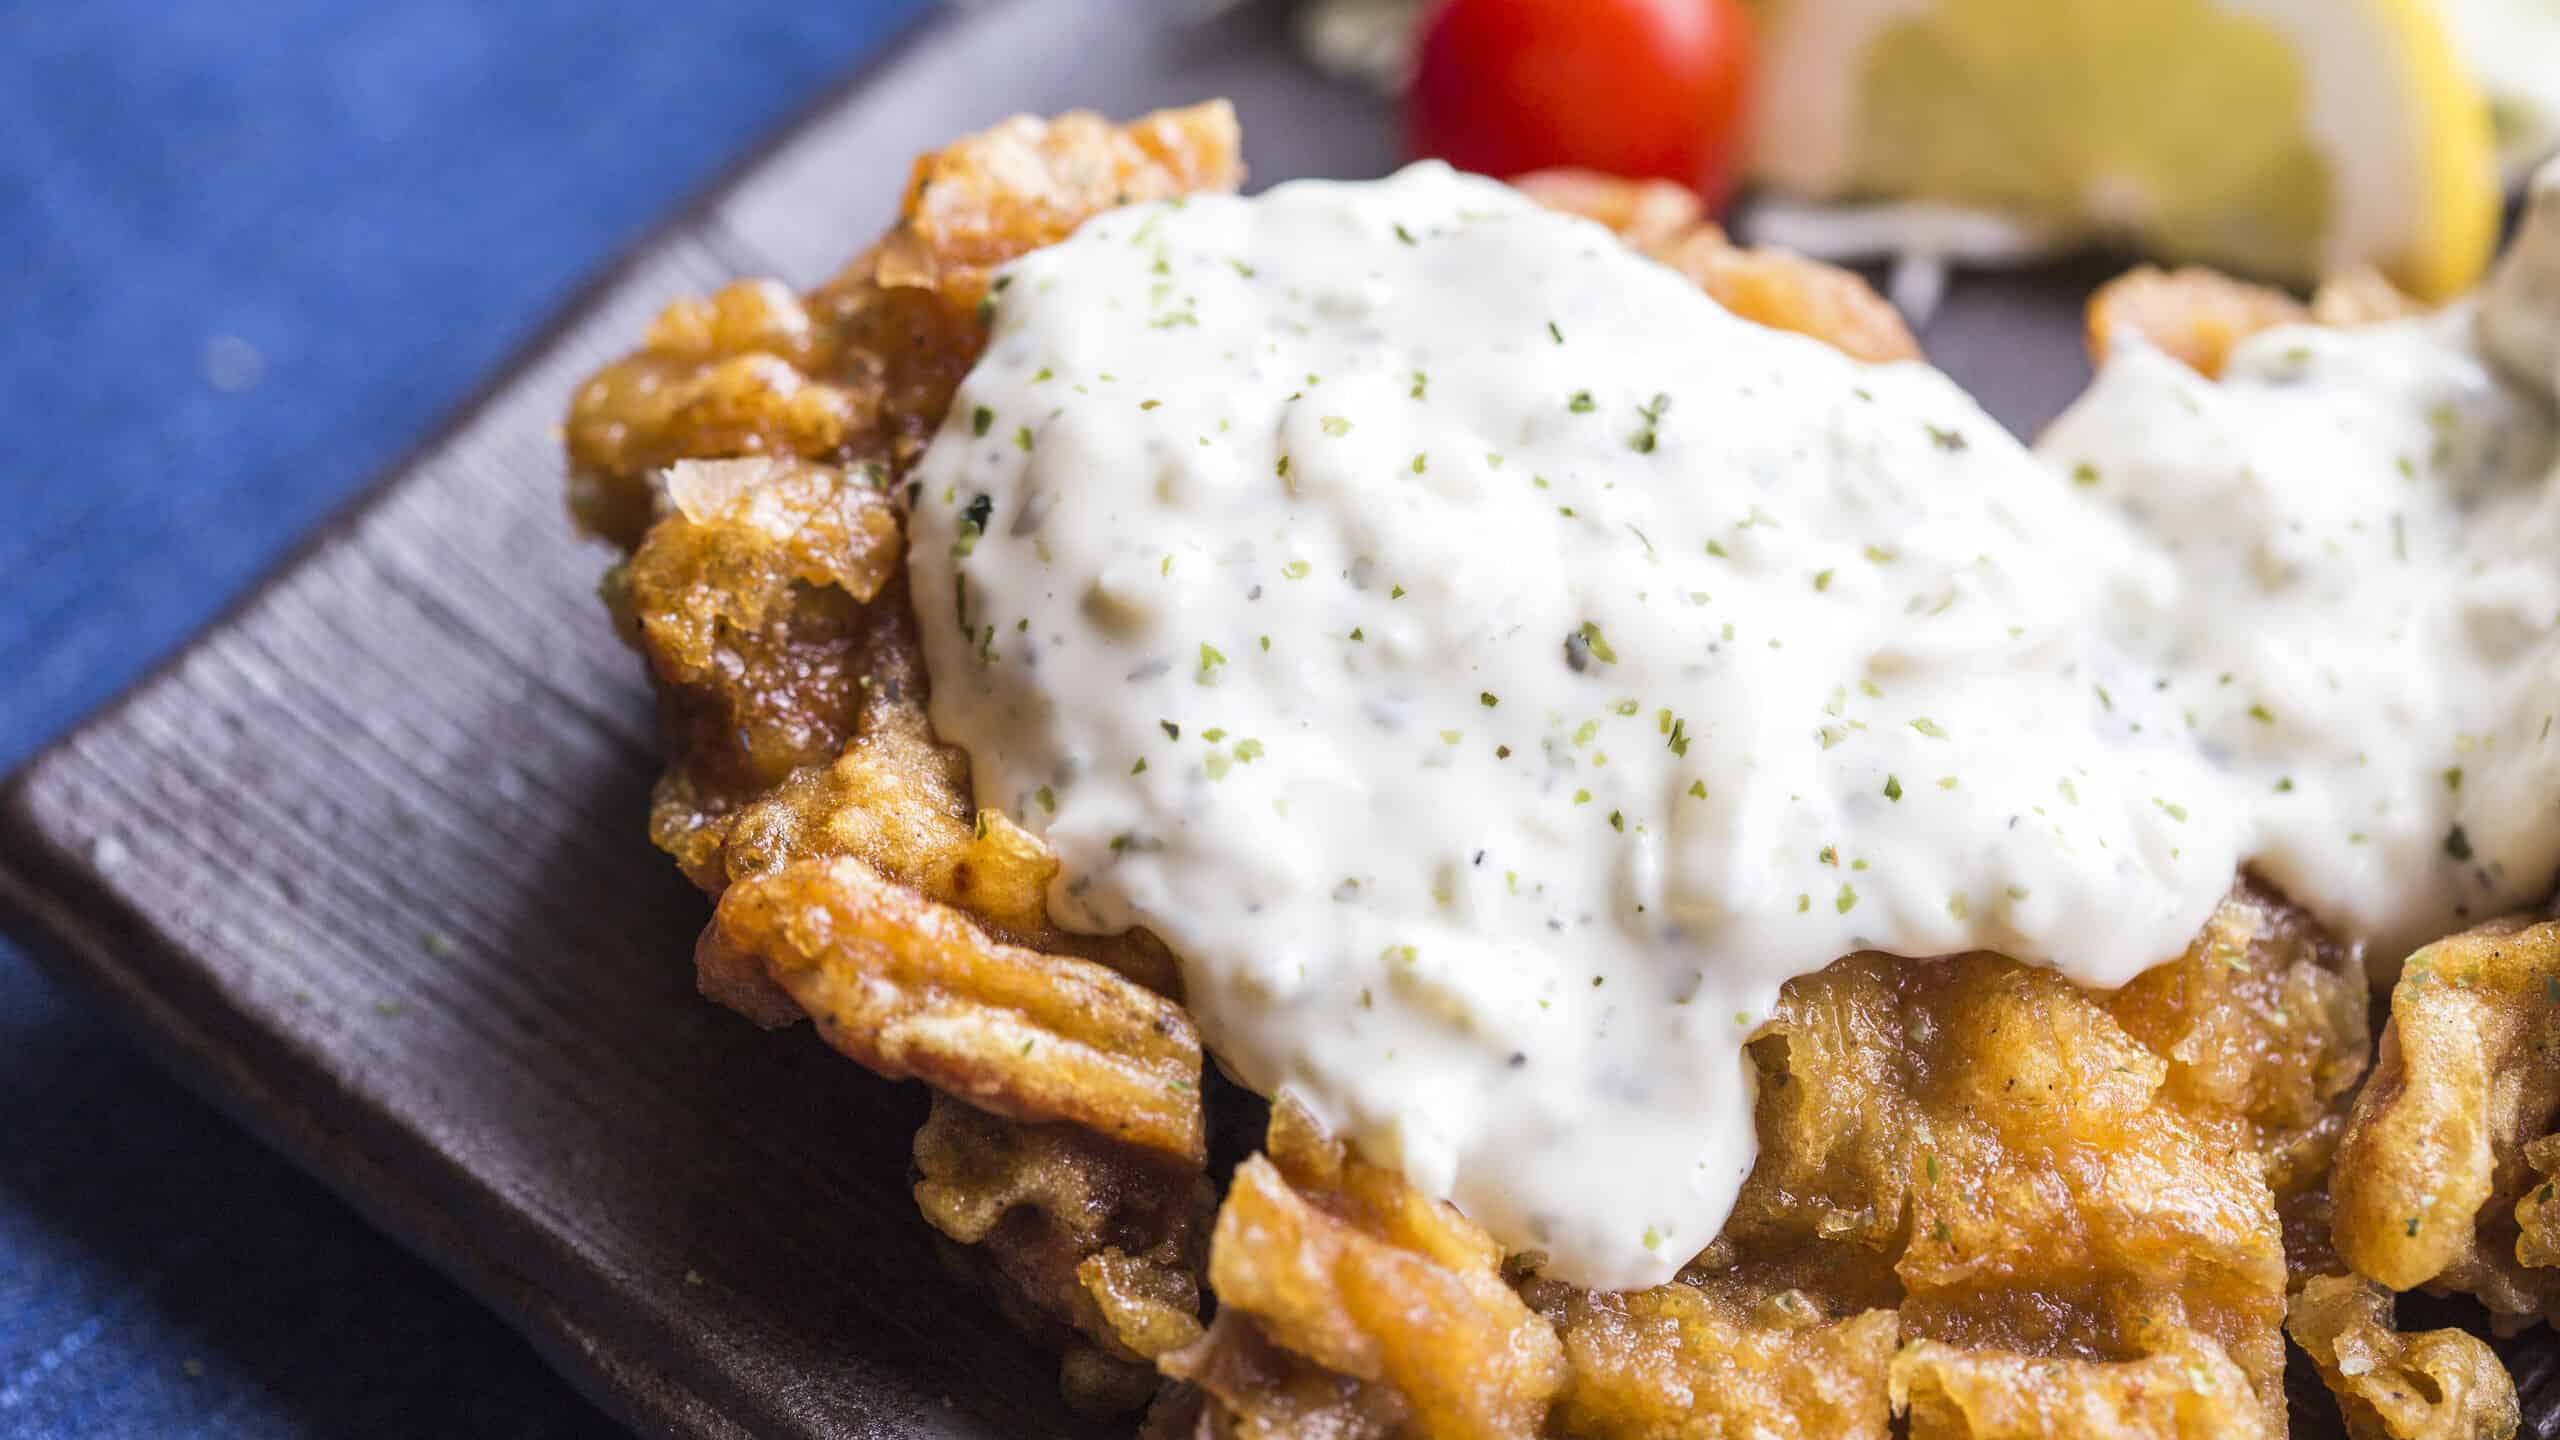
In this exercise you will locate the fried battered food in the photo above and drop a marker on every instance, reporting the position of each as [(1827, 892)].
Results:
[(1776, 288), (2437, 1385), (2199, 316), (1087, 1245), (912, 989), (1710, 1359), (2266, 1020), (2194, 314), (1985, 1198), (2442, 1179), (898, 801), (2070, 1203), (763, 598), (2188, 1389), (1343, 1264), (862, 370), (2361, 296), (766, 590), (2033, 1171), (1237, 1385), (751, 601), (1646, 214)]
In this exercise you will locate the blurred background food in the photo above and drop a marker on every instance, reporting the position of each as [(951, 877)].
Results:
[(2284, 139)]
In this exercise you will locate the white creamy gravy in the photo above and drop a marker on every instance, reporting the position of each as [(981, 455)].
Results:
[(2359, 624), (1495, 670)]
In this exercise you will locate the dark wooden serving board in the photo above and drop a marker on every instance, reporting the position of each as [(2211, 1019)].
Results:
[(365, 864)]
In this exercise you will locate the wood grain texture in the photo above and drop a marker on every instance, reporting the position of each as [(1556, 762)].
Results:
[(366, 863)]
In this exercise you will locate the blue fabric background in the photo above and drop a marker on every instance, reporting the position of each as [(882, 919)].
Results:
[(249, 251)]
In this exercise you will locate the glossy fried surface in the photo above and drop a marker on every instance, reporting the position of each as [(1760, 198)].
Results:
[(861, 370), (1341, 1263), (2435, 1385), (752, 599), (1352, 1305), (2059, 1203), (2198, 316), (2033, 1172), (745, 459), (1776, 288), (1710, 1359), (2444, 1177), (766, 597), (1090, 1246), (913, 989), (1986, 1200), (2186, 1388)]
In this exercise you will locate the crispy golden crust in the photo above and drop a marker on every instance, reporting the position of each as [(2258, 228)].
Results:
[(2066, 1203), (1776, 288), (2065, 1206), (1091, 1245), (1237, 1385), (1343, 1265), (862, 370), (2188, 1389), (766, 591), (2434, 1385), (2436, 1181), (2028, 1169), (751, 601), (898, 801), (2266, 1019), (912, 989), (1646, 214), (2194, 314), (758, 592), (2198, 316), (1703, 1360)]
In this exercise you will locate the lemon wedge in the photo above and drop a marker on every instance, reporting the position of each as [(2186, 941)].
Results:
[(2284, 138)]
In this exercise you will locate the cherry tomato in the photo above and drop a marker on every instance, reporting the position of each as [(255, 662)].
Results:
[(1646, 89)]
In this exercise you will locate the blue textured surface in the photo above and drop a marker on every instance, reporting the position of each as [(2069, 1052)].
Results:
[(249, 252)]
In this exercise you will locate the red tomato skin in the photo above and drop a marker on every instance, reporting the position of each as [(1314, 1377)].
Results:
[(1645, 89)]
